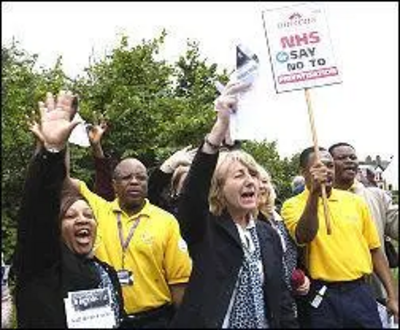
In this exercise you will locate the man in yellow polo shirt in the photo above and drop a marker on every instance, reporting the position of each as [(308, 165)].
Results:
[(144, 245), (383, 211), (338, 262)]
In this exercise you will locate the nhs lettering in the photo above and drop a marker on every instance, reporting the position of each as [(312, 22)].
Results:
[(304, 53), (299, 40)]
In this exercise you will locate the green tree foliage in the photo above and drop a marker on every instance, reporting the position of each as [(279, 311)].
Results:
[(153, 108), (22, 88)]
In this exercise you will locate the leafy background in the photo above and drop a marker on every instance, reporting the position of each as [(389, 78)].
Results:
[(153, 108)]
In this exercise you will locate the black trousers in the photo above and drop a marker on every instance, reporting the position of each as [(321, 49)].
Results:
[(345, 305), (153, 319)]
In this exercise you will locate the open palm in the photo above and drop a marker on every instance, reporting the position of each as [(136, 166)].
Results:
[(96, 132), (56, 124)]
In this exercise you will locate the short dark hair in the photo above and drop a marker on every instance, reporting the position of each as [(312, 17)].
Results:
[(339, 144), (305, 154), (116, 174)]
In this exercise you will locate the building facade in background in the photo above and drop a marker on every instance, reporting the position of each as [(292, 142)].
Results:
[(379, 172)]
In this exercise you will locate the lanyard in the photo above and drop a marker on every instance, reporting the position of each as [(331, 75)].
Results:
[(125, 244)]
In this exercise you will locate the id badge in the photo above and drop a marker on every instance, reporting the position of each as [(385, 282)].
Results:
[(125, 277)]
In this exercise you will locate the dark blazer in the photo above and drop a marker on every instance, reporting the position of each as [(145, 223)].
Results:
[(217, 255), (46, 270)]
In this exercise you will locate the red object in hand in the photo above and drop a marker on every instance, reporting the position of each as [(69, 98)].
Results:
[(298, 278)]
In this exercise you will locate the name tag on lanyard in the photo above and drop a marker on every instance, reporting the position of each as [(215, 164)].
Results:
[(125, 276)]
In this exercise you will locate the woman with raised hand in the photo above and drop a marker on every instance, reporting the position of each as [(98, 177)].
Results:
[(171, 175), (56, 234), (237, 277)]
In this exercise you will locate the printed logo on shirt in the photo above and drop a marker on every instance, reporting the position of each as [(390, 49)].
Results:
[(352, 218), (147, 238)]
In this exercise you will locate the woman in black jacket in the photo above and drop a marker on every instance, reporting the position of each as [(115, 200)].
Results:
[(56, 232), (237, 278)]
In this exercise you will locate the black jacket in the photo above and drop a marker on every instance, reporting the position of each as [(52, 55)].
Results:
[(46, 270), (217, 255)]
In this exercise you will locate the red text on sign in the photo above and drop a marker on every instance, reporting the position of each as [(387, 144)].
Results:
[(298, 40)]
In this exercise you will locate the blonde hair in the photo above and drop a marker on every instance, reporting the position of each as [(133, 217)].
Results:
[(216, 197), (176, 177), (267, 201)]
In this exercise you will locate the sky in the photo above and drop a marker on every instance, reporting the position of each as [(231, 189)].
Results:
[(362, 110)]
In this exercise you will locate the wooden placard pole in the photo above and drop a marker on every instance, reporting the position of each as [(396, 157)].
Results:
[(316, 151)]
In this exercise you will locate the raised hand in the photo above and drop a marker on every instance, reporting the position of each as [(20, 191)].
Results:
[(319, 174), (181, 157), (228, 138), (34, 127), (95, 132), (226, 103), (56, 116)]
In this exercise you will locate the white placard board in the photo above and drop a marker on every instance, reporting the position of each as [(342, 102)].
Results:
[(300, 49), (247, 71), (89, 309)]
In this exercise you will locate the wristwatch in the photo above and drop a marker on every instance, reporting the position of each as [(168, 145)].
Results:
[(212, 145), (52, 150)]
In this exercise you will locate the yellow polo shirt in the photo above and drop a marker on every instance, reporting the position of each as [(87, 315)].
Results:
[(345, 254), (156, 255)]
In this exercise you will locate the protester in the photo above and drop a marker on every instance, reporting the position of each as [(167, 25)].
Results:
[(144, 244), (103, 163), (170, 177), (337, 262), (297, 282), (237, 279), (384, 213), (56, 233), (178, 179), (149, 312), (268, 213)]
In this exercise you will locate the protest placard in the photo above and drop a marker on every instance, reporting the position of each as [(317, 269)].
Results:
[(301, 58), (300, 48), (89, 309)]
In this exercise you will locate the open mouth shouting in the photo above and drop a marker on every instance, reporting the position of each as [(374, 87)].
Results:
[(79, 228), (248, 197), (82, 240), (83, 236)]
